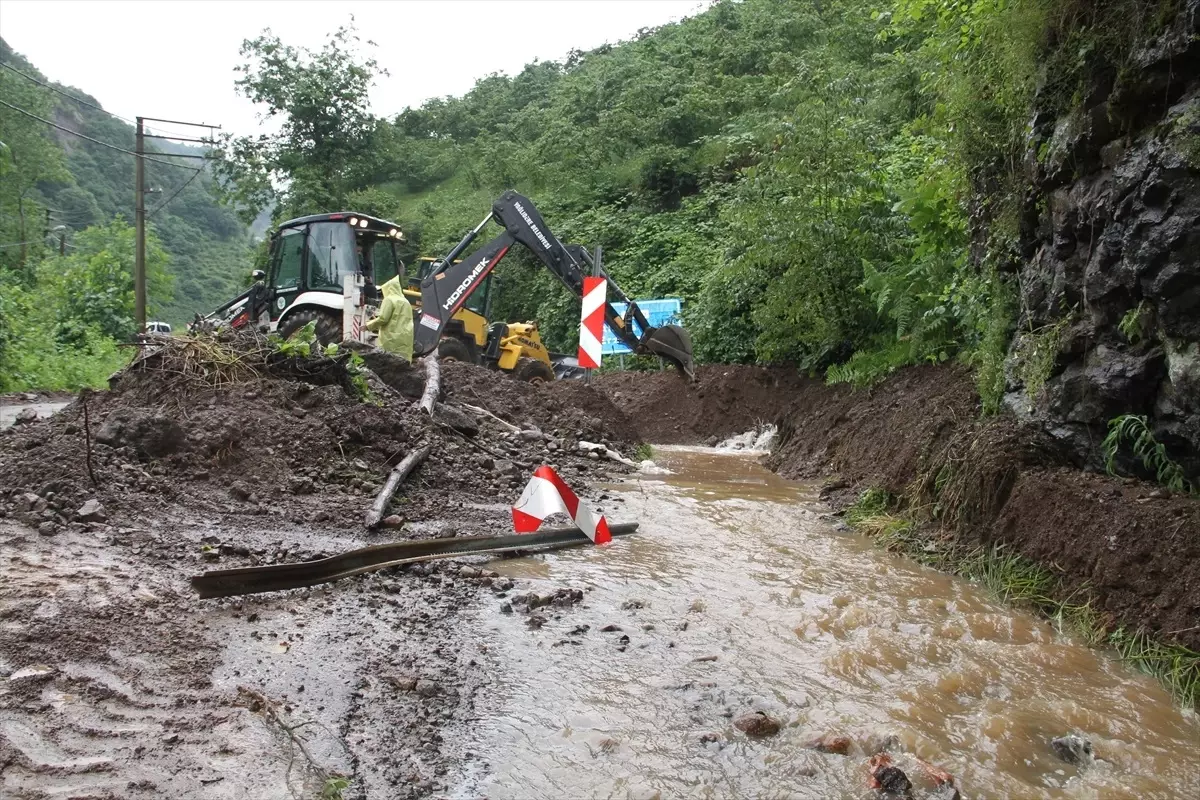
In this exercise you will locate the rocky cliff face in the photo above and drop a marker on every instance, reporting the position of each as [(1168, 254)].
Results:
[(1111, 286)]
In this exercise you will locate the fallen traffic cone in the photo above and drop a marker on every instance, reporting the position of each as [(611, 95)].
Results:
[(547, 494)]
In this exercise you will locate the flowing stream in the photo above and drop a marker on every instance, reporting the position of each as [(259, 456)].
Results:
[(737, 596)]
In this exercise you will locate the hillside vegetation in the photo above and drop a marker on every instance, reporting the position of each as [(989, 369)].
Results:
[(836, 185), (66, 236)]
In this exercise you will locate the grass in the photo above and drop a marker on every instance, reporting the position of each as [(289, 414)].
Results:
[(1020, 582)]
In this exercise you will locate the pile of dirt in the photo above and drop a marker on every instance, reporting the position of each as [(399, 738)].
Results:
[(723, 401), (230, 427)]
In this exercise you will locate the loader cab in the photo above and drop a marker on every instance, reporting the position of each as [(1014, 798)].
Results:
[(310, 256)]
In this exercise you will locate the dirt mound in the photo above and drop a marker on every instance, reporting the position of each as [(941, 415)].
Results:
[(723, 401), (568, 408), (880, 436), (229, 427)]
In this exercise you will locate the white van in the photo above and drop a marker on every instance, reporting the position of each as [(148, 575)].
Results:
[(158, 327)]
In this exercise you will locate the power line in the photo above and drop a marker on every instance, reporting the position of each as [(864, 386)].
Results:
[(55, 89), (97, 141), (174, 194)]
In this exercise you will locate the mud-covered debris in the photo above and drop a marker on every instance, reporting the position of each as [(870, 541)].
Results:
[(536, 621), (630, 605), (888, 779), (705, 659), (427, 688), (709, 738), (757, 724), (153, 435), (829, 743), (48, 528), (460, 420), (1073, 749), (393, 521), (469, 572)]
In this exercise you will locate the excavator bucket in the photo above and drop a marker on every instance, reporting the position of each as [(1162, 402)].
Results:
[(674, 344)]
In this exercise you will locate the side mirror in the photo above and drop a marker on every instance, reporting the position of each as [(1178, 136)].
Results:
[(258, 275)]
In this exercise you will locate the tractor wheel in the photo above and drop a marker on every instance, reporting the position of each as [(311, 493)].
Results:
[(450, 349), (328, 329), (531, 370)]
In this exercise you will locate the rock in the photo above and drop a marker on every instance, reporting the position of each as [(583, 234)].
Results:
[(709, 738), (460, 420), (427, 688), (611, 629), (839, 745), (403, 683), (1073, 749), (630, 605), (47, 528), (448, 532), (302, 485), (393, 371), (152, 435), (32, 503), (238, 490), (503, 584), (91, 511), (506, 608), (530, 435), (25, 416), (536, 621), (469, 572), (593, 456), (704, 659), (504, 467), (757, 724), (887, 778), (1160, 494), (393, 521)]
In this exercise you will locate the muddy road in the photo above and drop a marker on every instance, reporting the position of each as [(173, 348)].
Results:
[(740, 596)]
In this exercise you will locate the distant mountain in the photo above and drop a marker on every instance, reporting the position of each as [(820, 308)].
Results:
[(209, 246)]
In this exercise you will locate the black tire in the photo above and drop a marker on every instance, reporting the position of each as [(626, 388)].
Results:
[(450, 349), (531, 370), (329, 325)]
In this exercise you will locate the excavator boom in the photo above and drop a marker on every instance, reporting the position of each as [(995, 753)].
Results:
[(447, 288)]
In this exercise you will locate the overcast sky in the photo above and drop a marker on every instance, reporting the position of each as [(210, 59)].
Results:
[(175, 59)]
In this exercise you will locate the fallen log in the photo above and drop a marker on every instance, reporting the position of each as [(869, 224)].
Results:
[(395, 478), (480, 410), (433, 383)]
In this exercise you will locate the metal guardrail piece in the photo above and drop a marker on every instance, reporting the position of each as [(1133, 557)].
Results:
[(277, 577)]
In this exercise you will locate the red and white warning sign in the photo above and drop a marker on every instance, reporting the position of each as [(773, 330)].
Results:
[(591, 326), (547, 494)]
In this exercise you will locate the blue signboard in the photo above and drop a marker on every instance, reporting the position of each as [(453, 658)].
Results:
[(658, 313)]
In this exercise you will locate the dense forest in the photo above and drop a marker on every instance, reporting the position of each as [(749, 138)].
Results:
[(66, 234), (848, 186)]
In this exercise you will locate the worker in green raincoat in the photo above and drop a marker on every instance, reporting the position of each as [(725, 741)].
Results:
[(395, 321)]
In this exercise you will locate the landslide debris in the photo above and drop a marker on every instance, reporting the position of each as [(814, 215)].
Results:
[(232, 425)]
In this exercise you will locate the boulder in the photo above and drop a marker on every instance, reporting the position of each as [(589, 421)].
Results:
[(91, 511), (25, 416), (151, 435), (458, 419), (1073, 749)]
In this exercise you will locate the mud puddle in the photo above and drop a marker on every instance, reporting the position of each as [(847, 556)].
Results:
[(9, 411), (739, 597)]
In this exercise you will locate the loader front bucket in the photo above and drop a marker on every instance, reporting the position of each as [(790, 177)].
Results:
[(674, 344)]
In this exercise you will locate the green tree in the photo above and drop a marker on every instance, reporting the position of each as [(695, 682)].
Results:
[(319, 99), (91, 289)]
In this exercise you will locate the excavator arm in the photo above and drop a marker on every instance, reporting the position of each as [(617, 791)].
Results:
[(450, 284)]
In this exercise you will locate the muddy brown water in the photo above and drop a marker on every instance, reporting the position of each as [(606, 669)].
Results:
[(815, 627)]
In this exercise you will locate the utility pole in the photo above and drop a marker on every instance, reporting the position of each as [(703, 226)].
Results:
[(139, 217), (139, 205)]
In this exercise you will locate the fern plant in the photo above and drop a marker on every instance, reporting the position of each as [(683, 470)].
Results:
[(1134, 429), (1134, 325)]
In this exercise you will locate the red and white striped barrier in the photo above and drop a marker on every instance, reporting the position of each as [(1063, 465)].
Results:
[(547, 494), (591, 326)]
